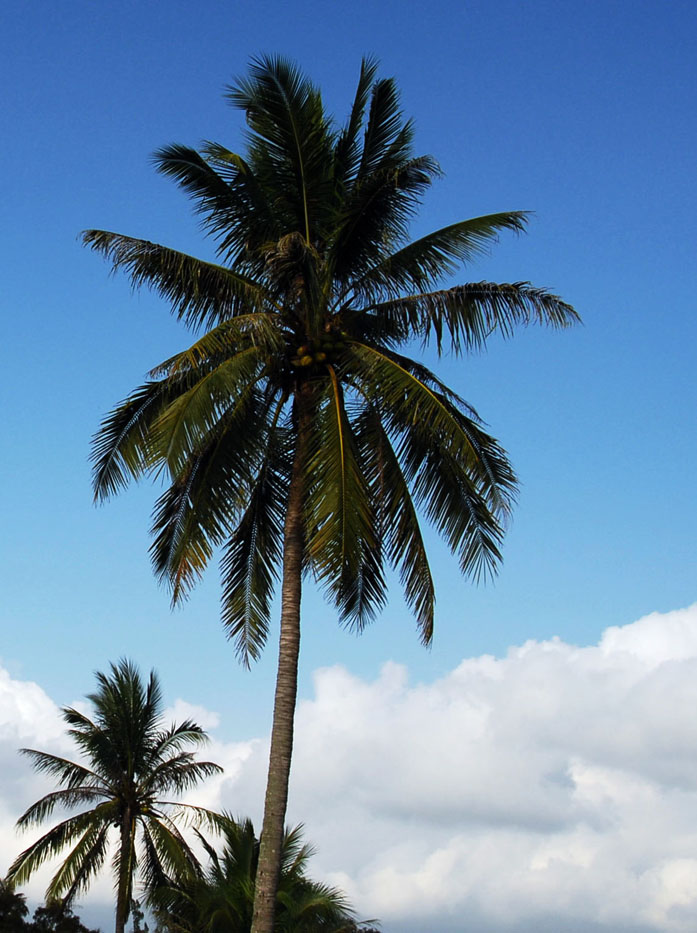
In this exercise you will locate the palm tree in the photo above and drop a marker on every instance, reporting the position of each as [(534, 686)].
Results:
[(13, 909), (131, 761), (294, 433), (221, 898)]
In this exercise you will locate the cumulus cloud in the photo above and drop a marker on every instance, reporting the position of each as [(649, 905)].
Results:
[(554, 788), (551, 789)]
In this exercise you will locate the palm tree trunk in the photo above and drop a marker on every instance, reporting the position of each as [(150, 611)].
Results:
[(269, 865), (123, 896)]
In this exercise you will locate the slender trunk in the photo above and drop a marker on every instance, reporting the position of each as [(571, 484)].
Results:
[(269, 865), (123, 895)]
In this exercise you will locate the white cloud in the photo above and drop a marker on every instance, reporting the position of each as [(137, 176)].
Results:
[(552, 789), (555, 788), (181, 710)]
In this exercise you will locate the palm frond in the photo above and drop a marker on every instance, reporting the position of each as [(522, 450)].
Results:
[(84, 862), (199, 509), (67, 798), (426, 261), (386, 133), (201, 293), (68, 773), (179, 773), (468, 314), (121, 449), (457, 473), (347, 151), (51, 844), (251, 557), (342, 543), (175, 738), (184, 426), (259, 331), (404, 545), (375, 219), (168, 852), (290, 139)]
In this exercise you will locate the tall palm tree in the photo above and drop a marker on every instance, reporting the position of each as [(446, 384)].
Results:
[(294, 433), (220, 899), (131, 760)]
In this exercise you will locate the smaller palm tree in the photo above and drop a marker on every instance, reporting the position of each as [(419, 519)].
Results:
[(132, 760), (220, 899)]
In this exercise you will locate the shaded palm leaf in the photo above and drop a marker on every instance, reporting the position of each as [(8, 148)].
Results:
[(424, 262), (201, 293), (251, 557), (469, 314)]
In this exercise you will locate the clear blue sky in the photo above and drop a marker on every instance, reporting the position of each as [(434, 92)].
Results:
[(583, 113)]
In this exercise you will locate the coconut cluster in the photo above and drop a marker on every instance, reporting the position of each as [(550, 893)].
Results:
[(319, 351)]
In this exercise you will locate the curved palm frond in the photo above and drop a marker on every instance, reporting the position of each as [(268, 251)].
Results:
[(426, 261), (224, 189), (457, 473), (469, 314), (83, 863), (403, 543), (69, 798), (258, 331), (201, 293), (65, 771), (251, 557), (342, 542), (49, 845), (200, 508), (179, 773)]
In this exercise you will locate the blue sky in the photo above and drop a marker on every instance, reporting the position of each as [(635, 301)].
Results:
[(579, 113), (582, 113)]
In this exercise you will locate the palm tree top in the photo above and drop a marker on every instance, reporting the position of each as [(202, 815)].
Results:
[(314, 296)]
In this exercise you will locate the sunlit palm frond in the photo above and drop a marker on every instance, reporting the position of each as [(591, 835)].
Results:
[(173, 854), (50, 845), (259, 331), (85, 860), (183, 428), (457, 473), (342, 544)]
